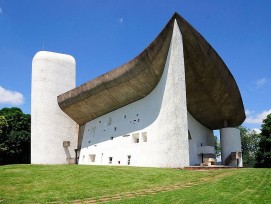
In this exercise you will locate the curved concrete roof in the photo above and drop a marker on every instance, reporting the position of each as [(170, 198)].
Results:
[(212, 93)]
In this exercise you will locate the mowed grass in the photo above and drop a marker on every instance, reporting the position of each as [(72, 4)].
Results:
[(75, 183)]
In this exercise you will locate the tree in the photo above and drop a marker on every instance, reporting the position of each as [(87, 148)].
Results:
[(15, 132), (250, 143), (217, 146), (264, 153)]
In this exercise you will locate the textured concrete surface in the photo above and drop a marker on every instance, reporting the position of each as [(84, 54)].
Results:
[(52, 74), (211, 91)]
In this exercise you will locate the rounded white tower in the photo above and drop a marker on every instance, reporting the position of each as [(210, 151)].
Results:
[(230, 145), (53, 133)]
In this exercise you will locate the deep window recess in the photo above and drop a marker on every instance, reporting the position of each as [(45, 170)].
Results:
[(110, 160), (135, 138), (118, 162), (115, 128), (129, 159), (92, 157), (124, 116), (189, 135), (144, 136), (108, 121), (112, 138)]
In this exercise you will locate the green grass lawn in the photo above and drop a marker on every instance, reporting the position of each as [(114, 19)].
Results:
[(75, 183)]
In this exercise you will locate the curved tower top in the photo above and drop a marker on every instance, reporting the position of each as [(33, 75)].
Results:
[(212, 93)]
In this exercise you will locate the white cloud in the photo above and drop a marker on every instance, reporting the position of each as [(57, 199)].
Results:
[(258, 118), (256, 130), (120, 20), (1, 11), (248, 112), (10, 97), (261, 82)]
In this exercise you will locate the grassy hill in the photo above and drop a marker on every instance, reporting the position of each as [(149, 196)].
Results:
[(90, 184)]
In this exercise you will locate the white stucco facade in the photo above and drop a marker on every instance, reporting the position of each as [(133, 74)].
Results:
[(152, 131), (52, 74), (200, 136), (230, 142)]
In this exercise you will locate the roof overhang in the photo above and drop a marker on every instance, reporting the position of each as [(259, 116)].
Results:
[(212, 93)]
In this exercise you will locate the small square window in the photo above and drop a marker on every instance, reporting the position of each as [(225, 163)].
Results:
[(135, 138), (144, 136)]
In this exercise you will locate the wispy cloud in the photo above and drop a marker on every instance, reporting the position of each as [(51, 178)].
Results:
[(256, 118), (1, 11), (261, 82), (10, 97), (120, 20), (248, 112)]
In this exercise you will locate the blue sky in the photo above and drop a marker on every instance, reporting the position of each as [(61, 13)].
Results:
[(102, 35)]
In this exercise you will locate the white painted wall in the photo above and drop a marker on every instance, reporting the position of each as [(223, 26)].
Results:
[(199, 135), (52, 75), (230, 142), (162, 115)]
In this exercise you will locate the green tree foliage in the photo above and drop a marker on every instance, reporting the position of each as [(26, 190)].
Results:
[(217, 147), (250, 143), (264, 153), (15, 132)]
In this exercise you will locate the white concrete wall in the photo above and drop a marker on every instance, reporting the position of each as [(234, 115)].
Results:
[(162, 115), (52, 75), (199, 135), (230, 142)]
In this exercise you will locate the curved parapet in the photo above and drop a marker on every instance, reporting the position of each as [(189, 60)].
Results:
[(212, 93), (52, 74)]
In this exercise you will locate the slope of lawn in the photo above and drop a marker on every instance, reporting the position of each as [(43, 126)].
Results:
[(75, 183)]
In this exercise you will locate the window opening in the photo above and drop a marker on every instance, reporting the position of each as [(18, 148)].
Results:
[(135, 138), (189, 135), (110, 160), (92, 157), (144, 136), (129, 159), (108, 121)]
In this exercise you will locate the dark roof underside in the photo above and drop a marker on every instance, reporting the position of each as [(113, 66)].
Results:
[(212, 93)]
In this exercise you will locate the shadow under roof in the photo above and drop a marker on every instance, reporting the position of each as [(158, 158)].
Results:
[(212, 93)]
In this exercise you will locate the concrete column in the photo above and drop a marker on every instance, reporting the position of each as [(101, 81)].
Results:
[(52, 75), (230, 142)]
